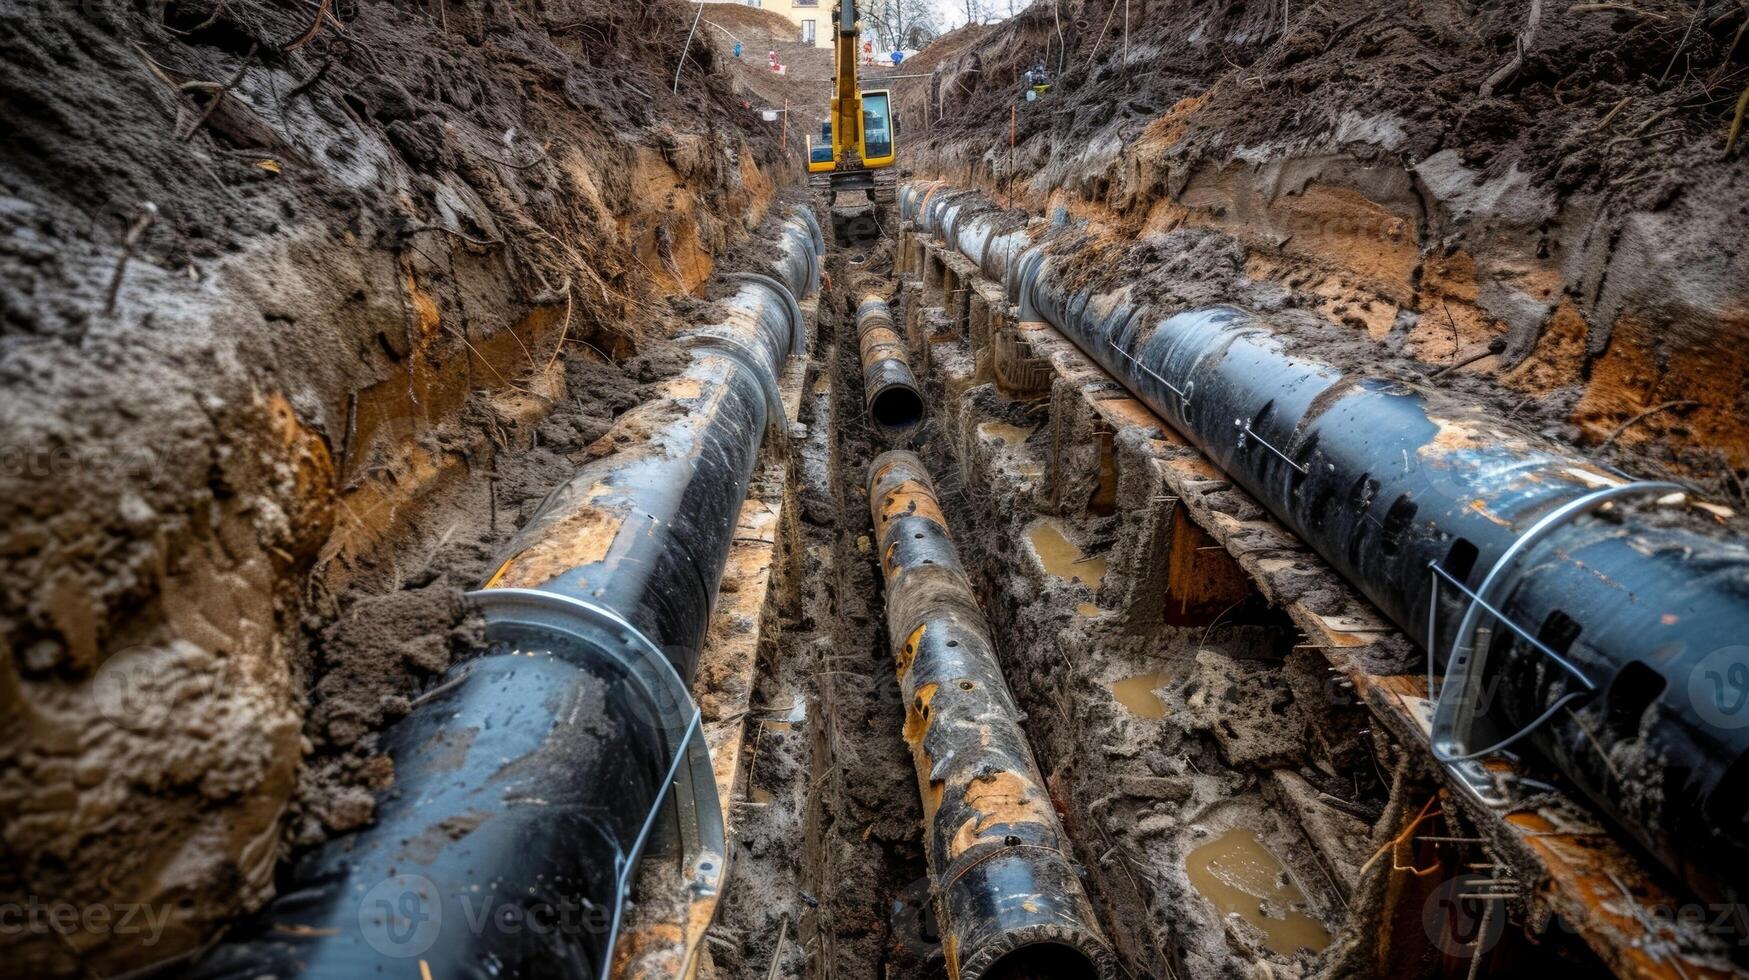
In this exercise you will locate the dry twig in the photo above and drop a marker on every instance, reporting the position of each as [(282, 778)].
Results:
[(219, 92), (1521, 44), (1621, 8), (564, 328), (1737, 121), (1603, 124), (212, 19), (148, 215), (1493, 347), (1699, 5), (323, 16), (1654, 410), (480, 242)]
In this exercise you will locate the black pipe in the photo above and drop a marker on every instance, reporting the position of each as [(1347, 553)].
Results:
[(1006, 894), (1618, 648), (529, 781), (895, 404)]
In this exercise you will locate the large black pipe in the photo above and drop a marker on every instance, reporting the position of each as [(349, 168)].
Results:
[(529, 781), (1566, 605), (1006, 893)]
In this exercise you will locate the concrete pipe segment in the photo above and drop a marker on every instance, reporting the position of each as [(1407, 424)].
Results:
[(1006, 892), (1570, 607), (895, 405), (529, 780)]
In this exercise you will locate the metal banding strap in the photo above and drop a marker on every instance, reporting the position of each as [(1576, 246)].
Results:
[(798, 326), (1458, 691), (768, 382), (690, 775), (813, 223)]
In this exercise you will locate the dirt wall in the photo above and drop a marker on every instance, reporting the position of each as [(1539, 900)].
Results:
[(273, 275)]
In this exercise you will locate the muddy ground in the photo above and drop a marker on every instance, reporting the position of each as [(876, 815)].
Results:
[(829, 854), (301, 305), (1433, 175), (305, 304)]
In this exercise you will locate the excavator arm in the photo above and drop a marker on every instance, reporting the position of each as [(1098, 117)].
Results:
[(862, 137), (846, 95)]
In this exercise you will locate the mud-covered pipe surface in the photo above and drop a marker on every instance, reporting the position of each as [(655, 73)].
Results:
[(1006, 892), (889, 389), (1597, 618), (530, 779)]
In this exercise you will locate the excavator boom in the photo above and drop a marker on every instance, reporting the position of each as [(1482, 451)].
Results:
[(847, 95)]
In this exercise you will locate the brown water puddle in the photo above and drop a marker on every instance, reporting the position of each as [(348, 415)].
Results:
[(1137, 694), (1008, 435), (1238, 874), (1087, 609), (1063, 558)]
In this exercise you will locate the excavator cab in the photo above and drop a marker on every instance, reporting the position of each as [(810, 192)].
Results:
[(820, 156), (878, 130)]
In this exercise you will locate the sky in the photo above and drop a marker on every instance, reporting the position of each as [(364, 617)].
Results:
[(950, 14)]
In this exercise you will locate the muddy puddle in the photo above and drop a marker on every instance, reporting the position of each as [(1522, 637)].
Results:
[(1137, 694), (1241, 877), (1064, 558), (1002, 432)]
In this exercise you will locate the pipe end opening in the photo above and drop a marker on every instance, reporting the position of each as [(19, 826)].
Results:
[(1043, 961), (897, 410)]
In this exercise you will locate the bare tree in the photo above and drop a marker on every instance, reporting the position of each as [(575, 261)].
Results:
[(899, 23)]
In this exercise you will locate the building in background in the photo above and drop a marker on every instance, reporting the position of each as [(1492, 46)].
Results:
[(813, 18)]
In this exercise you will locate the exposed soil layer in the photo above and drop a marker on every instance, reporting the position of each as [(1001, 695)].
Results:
[(1432, 176), (305, 306), (276, 282)]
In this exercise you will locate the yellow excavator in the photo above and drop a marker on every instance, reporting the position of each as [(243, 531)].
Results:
[(857, 144)]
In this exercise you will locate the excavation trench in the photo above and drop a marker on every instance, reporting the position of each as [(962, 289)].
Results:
[(399, 491), (1156, 732), (1234, 740), (1450, 523)]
